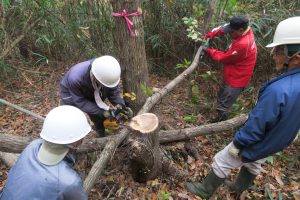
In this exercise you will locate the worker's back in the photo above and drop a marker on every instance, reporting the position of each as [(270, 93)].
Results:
[(30, 179)]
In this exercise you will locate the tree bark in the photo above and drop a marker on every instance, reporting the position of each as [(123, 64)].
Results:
[(16, 144), (189, 133), (9, 159), (131, 52), (144, 143), (13, 144)]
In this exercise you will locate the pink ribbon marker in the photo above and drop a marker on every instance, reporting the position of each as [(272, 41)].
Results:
[(128, 21)]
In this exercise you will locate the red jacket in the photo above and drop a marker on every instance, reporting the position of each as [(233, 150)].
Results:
[(238, 60)]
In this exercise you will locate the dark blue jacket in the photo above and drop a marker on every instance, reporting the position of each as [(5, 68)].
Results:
[(76, 89), (275, 120)]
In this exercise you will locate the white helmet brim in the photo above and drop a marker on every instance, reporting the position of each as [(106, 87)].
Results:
[(52, 154)]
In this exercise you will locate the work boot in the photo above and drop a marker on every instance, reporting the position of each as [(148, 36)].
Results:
[(243, 182), (208, 187)]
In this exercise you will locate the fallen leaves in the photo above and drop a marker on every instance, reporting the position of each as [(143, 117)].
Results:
[(277, 174), (296, 195), (277, 178)]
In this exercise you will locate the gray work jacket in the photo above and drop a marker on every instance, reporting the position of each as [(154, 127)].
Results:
[(30, 179)]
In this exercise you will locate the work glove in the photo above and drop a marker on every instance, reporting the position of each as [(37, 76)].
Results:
[(128, 112), (233, 150), (125, 110), (215, 32)]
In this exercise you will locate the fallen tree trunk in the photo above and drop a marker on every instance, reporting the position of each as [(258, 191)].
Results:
[(13, 144), (190, 133), (9, 159), (107, 153), (16, 144)]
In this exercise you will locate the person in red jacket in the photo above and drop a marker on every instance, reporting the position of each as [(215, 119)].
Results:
[(239, 61)]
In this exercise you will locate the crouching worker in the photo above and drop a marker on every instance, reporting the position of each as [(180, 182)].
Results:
[(272, 124), (44, 168), (88, 84)]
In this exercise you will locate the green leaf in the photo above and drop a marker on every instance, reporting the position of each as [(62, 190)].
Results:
[(164, 195), (269, 194), (194, 36), (270, 160), (189, 118), (280, 196), (183, 65), (235, 107), (146, 90), (167, 196), (6, 3)]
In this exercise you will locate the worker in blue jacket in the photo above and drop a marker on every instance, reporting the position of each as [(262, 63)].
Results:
[(88, 84), (44, 168), (272, 125)]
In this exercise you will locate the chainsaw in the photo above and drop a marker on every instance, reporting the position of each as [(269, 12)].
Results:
[(118, 118)]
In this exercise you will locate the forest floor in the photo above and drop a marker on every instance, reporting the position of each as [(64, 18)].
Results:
[(37, 90)]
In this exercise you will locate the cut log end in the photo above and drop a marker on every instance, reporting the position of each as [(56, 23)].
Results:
[(144, 123)]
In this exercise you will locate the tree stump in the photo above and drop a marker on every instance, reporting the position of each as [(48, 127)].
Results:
[(144, 153)]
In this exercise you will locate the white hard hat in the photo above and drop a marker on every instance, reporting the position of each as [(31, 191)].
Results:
[(65, 125), (107, 71), (287, 32)]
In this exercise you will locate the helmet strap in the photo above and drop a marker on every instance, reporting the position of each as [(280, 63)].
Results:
[(287, 58)]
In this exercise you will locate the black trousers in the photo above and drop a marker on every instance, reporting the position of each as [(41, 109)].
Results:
[(98, 123), (227, 96)]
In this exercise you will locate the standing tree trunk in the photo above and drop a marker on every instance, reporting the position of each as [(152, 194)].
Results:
[(209, 14), (132, 53)]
